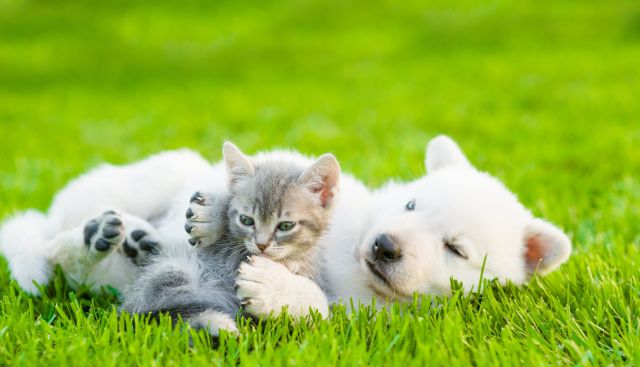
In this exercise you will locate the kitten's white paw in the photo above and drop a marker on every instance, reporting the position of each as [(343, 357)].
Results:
[(264, 286)]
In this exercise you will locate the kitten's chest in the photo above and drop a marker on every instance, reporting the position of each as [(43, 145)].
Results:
[(223, 258)]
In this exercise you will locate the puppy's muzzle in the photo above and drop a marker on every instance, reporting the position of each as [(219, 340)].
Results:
[(385, 249)]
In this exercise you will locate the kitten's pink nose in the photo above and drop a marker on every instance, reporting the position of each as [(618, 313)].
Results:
[(262, 246)]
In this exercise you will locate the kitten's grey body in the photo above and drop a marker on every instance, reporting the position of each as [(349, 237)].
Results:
[(189, 282), (275, 209)]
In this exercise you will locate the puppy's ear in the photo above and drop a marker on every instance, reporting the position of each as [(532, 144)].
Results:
[(545, 247), (443, 152), (322, 178), (239, 167)]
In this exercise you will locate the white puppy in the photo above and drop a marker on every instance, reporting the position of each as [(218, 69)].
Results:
[(414, 237)]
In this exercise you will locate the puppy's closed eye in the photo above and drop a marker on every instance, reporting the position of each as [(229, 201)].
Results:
[(455, 249)]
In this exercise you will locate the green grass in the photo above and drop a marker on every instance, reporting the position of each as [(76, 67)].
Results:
[(544, 94)]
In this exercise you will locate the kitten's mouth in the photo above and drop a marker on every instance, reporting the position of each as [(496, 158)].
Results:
[(267, 255)]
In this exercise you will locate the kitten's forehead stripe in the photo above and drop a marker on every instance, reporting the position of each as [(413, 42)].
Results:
[(272, 182)]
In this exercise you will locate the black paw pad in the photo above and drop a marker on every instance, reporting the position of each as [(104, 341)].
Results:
[(188, 227), (139, 245), (102, 244), (149, 246), (189, 213), (89, 230), (128, 250), (110, 232), (115, 221), (193, 241), (138, 234)]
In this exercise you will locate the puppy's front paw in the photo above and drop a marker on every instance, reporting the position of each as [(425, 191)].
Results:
[(104, 233), (262, 286), (205, 219)]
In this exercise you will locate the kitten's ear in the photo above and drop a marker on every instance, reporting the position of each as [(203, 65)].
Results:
[(322, 178), (443, 152), (546, 247), (239, 167)]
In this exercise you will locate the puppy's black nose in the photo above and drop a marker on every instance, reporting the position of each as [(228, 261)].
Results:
[(384, 249)]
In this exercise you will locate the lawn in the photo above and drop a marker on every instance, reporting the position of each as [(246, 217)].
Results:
[(543, 94)]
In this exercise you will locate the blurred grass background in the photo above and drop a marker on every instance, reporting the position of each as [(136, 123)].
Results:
[(543, 94)]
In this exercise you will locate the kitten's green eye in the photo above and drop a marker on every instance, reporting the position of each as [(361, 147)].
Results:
[(247, 221), (286, 226)]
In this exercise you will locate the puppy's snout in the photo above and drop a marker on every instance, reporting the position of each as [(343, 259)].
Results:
[(385, 249)]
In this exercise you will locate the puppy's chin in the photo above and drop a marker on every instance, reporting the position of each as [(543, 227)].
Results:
[(379, 281)]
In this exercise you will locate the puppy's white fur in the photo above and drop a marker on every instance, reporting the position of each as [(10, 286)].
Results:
[(154, 192)]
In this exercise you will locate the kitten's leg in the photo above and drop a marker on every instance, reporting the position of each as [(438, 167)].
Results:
[(266, 286), (176, 285), (206, 218)]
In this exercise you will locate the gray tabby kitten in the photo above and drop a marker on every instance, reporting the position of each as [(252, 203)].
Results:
[(276, 208)]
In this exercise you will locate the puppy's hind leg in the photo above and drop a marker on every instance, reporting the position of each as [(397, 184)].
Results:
[(142, 241), (78, 250), (24, 243)]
